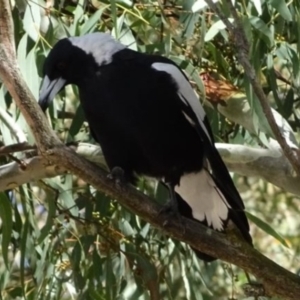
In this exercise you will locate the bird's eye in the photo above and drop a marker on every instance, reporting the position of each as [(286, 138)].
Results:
[(61, 66)]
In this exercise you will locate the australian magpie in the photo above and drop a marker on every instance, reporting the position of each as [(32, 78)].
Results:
[(148, 120)]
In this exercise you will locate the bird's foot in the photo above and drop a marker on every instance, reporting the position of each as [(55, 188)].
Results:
[(117, 174), (170, 210)]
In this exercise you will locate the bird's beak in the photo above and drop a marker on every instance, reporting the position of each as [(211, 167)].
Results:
[(49, 90)]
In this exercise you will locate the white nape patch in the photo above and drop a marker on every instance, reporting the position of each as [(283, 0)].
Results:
[(205, 199), (101, 45), (185, 91)]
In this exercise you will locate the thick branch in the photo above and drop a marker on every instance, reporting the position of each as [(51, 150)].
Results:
[(7, 31), (12, 78), (242, 47), (36, 168), (276, 280), (268, 164)]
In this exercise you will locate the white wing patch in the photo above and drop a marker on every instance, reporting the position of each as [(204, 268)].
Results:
[(205, 199), (101, 45), (185, 91)]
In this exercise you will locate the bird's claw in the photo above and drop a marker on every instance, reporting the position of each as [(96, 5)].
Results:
[(170, 211), (117, 174)]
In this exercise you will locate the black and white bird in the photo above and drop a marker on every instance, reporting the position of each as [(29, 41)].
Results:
[(146, 117)]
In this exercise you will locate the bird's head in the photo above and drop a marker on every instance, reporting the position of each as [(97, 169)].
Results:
[(73, 61)]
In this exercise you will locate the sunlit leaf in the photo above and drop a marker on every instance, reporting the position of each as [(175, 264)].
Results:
[(215, 29), (32, 19), (267, 228)]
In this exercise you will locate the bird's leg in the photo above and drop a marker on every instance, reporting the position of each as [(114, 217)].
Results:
[(118, 175), (172, 204), (171, 207)]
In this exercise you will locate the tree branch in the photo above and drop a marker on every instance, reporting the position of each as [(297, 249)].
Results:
[(17, 87), (242, 47), (268, 164), (276, 280), (36, 168), (230, 248)]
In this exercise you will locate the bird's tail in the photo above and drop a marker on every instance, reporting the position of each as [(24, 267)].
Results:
[(202, 197)]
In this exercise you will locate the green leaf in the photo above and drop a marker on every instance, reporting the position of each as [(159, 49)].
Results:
[(76, 124), (282, 8), (31, 75), (215, 29), (288, 103), (7, 222), (126, 37), (257, 5), (78, 14), (64, 187), (23, 239), (92, 21), (146, 269), (287, 52), (188, 20), (126, 228), (22, 54), (260, 122), (7, 137), (45, 230), (265, 31), (32, 19), (285, 108), (266, 228), (114, 16)]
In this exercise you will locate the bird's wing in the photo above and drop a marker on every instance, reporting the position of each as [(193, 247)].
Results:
[(224, 201), (195, 114), (187, 96)]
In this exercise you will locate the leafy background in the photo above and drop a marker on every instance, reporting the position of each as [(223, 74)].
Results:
[(61, 239)]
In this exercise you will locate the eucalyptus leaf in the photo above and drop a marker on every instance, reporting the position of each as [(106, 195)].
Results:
[(6, 217), (32, 20), (267, 228), (215, 29), (282, 8)]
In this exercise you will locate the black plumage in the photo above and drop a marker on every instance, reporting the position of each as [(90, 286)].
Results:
[(144, 114)]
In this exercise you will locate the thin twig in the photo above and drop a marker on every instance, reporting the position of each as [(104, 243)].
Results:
[(13, 127), (4, 150), (20, 162)]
